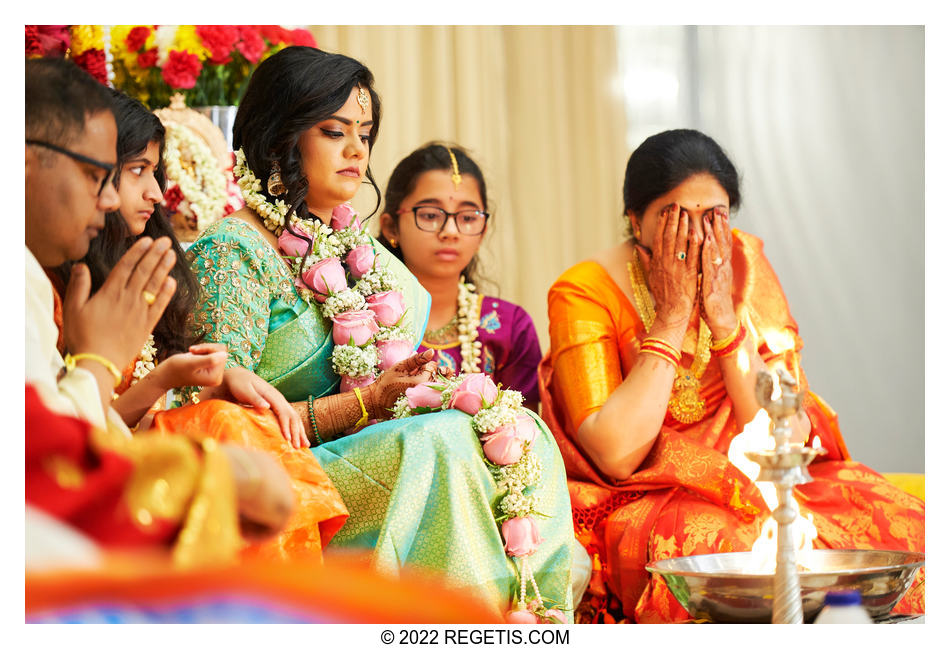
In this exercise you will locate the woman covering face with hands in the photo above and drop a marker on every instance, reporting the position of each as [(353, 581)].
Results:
[(670, 329)]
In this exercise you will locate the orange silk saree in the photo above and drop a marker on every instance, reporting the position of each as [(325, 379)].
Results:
[(319, 512), (686, 497)]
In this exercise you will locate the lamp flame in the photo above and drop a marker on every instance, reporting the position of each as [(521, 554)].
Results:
[(755, 437)]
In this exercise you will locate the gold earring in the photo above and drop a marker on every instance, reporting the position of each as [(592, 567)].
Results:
[(394, 243), (275, 185)]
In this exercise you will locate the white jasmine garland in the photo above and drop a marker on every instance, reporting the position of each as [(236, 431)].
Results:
[(273, 214), (467, 314), (204, 186), (145, 362), (347, 360)]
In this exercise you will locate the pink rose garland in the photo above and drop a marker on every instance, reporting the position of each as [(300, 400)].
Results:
[(508, 435)]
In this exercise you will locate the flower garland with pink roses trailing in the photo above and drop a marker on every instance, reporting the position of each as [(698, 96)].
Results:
[(370, 331), (507, 435)]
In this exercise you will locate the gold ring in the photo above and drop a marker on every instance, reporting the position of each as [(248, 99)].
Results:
[(149, 297), (681, 256), (717, 261)]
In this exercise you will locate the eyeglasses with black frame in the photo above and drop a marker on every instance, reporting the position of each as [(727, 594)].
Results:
[(430, 218), (78, 157)]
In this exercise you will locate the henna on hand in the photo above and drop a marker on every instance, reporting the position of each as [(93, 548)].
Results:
[(333, 414)]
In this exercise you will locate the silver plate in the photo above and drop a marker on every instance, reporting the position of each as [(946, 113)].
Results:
[(713, 586)]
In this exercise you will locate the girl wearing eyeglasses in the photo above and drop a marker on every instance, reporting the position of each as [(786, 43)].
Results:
[(434, 220)]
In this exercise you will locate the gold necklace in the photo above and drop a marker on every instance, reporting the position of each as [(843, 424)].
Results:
[(443, 334), (685, 404)]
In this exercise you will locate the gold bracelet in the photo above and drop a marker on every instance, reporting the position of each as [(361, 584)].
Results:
[(71, 360), (725, 342), (365, 417)]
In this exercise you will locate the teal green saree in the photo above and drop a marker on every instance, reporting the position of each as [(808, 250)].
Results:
[(418, 490)]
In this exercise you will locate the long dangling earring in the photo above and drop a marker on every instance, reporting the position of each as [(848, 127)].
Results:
[(275, 186)]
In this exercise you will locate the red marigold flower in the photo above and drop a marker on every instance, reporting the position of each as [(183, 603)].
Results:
[(53, 39), (148, 58), (275, 34), (137, 37), (182, 70), (302, 37), (173, 197), (219, 39), (93, 61), (251, 46), (33, 45)]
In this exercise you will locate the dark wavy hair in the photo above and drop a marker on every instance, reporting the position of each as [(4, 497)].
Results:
[(665, 160), (137, 128), (287, 94), (431, 156)]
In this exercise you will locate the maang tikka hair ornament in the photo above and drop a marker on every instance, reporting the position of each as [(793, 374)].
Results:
[(275, 185), (362, 98), (456, 176)]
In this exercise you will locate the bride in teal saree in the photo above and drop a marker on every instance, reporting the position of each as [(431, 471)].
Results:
[(303, 297)]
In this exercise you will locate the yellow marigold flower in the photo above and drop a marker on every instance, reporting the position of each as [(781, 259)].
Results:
[(118, 34), (187, 39), (85, 37)]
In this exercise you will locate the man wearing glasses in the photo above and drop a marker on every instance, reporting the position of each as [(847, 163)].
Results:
[(70, 167)]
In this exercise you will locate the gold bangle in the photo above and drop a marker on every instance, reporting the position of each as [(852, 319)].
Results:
[(71, 360), (365, 417), (725, 342)]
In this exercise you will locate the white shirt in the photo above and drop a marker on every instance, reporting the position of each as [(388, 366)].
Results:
[(77, 393)]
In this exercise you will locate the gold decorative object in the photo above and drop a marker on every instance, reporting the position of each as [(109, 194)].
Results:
[(178, 113), (196, 166)]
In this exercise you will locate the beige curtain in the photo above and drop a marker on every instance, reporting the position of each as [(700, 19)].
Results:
[(541, 111)]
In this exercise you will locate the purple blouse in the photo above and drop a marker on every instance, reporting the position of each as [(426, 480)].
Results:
[(510, 350)]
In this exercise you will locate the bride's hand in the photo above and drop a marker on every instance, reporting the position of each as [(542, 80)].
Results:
[(393, 383)]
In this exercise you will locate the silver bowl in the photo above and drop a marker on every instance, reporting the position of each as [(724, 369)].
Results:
[(713, 586)]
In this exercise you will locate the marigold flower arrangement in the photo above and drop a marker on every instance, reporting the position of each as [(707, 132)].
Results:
[(507, 434), (209, 64)]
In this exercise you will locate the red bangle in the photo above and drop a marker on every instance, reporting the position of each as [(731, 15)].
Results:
[(733, 346), (665, 354)]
